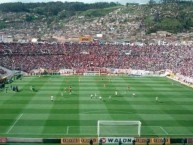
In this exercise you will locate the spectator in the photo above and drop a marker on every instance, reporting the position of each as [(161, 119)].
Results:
[(91, 142), (100, 142), (2, 72), (183, 141), (53, 57), (120, 142), (163, 141), (133, 142), (147, 141)]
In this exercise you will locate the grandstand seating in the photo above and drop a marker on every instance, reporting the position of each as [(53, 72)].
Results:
[(29, 56), (2, 72)]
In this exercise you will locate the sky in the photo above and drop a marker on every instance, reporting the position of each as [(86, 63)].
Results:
[(85, 1)]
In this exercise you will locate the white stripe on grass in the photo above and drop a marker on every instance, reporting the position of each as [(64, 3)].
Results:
[(164, 130), (11, 127), (67, 130)]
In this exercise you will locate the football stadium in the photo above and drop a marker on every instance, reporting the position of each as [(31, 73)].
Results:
[(71, 93)]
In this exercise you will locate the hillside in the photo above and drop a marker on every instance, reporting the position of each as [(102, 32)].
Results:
[(171, 17), (56, 20)]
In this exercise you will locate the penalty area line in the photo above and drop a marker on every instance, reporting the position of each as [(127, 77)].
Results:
[(164, 130), (11, 127), (67, 130)]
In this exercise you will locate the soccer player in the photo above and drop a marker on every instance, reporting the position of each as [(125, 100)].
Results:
[(133, 142), (183, 141), (91, 142), (52, 98), (70, 90), (156, 99), (31, 88), (100, 98), (120, 142), (163, 141), (147, 141), (91, 96), (133, 94), (116, 93), (101, 142), (6, 89), (109, 97)]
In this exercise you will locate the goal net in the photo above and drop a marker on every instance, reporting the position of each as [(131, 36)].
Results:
[(106, 128)]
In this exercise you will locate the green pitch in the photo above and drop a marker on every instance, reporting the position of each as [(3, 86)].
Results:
[(30, 113)]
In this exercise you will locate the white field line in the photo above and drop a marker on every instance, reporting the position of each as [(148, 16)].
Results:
[(67, 130), (46, 134), (164, 130), (11, 127)]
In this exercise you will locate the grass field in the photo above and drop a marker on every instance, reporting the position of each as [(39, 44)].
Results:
[(32, 114)]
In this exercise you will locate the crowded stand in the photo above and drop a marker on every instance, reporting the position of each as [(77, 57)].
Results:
[(2, 72), (55, 56)]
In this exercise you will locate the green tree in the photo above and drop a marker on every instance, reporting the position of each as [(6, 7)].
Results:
[(152, 2), (171, 25), (29, 18), (2, 25)]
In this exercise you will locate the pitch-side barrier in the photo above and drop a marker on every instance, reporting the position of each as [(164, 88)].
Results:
[(105, 140)]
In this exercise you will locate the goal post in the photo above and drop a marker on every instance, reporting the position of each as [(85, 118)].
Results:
[(92, 73), (118, 128)]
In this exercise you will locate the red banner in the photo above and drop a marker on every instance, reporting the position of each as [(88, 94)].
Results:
[(3, 139), (151, 140), (78, 140), (189, 140), (159, 140)]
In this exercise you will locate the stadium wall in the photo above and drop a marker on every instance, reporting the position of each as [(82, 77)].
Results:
[(182, 79), (100, 71), (117, 72), (106, 140)]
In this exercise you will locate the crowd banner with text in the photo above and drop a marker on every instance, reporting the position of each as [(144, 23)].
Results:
[(141, 140), (112, 140), (159, 140), (87, 140), (3, 139), (115, 140), (85, 38), (189, 140), (77, 140), (152, 140), (70, 141)]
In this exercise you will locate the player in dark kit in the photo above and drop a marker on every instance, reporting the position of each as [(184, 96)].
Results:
[(163, 141), (100, 142), (70, 90), (147, 141), (183, 141), (133, 142), (120, 142), (91, 142), (128, 88)]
